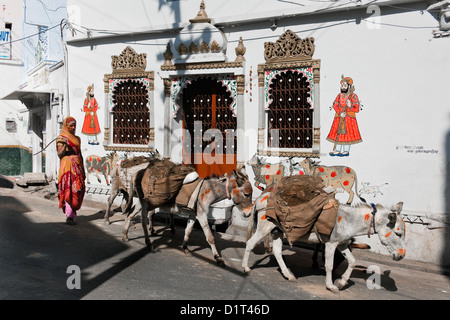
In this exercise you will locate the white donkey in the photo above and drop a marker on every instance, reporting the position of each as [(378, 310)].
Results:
[(351, 221)]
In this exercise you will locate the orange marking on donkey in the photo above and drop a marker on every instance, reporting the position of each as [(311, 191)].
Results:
[(367, 217), (339, 219), (263, 217), (388, 234), (264, 199), (402, 251)]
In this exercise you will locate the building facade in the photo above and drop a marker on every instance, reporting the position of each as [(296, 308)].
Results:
[(37, 90), (258, 83)]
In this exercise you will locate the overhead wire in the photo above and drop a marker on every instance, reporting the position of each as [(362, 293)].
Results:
[(79, 28)]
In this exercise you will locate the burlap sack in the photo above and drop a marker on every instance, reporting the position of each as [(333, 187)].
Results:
[(297, 204), (162, 181)]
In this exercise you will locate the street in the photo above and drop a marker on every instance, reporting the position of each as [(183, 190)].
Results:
[(41, 257)]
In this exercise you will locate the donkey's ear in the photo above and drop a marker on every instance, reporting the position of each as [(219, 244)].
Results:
[(241, 169), (398, 207)]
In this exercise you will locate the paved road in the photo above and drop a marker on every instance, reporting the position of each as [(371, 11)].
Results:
[(37, 248)]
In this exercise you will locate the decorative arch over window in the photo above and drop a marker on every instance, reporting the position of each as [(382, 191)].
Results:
[(290, 83), (129, 124)]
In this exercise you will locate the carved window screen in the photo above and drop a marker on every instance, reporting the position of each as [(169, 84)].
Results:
[(131, 116), (289, 112)]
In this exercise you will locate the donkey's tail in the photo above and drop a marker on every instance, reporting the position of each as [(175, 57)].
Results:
[(356, 190)]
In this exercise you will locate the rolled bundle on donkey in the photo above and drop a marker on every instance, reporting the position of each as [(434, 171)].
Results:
[(300, 204), (161, 182)]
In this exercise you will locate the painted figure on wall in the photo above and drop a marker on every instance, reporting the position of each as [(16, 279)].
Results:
[(91, 127), (344, 131)]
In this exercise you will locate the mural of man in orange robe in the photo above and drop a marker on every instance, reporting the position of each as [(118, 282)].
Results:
[(91, 127), (344, 130)]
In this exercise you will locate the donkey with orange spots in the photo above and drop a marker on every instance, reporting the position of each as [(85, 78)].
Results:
[(351, 221), (338, 177)]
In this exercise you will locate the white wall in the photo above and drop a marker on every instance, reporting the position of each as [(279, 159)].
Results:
[(399, 71), (11, 12)]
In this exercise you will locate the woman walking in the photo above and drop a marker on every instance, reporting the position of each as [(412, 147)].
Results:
[(71, 187)]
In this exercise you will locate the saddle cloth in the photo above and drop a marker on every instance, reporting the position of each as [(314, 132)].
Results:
[(297, 203), (187, 197)]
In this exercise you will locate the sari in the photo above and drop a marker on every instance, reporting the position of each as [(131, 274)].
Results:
[(71, 176)]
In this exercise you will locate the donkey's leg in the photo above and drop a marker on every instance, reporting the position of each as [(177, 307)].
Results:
[(344, 249), (262, 230), (203, 220), (268, 243), (151, 218), (315, 264), (112, 196), (171, 223), (187, 233), (330, 248), (126, 226), (124, 202), (277, 252), (144, 218)]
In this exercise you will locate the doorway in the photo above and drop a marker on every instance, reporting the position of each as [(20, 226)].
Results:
[(209, 141)]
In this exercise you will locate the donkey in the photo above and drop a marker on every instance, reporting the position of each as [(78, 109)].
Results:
[(235, 186), (351, 221), (122, 176), (120, 183)]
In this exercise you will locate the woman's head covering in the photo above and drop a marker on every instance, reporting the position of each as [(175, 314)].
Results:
[(73, 140)]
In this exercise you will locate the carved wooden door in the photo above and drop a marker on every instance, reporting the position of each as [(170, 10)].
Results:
[(209, 140)]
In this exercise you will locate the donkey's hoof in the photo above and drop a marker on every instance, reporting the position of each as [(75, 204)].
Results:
[(292, 279), (340, 283), (125, 239), (247, 270), (333, 289), (107, 222), (219, 260)]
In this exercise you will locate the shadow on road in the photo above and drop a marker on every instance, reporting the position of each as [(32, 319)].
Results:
[(39, 253)]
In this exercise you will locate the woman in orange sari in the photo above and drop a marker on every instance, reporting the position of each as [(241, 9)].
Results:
[(71, 187)]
